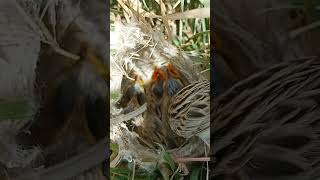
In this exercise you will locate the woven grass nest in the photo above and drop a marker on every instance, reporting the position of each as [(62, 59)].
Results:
[(44, 22), (140, 50), (267, 126)]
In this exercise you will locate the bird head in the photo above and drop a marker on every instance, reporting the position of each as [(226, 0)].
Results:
[(157, 80), (82, 84), (174, 80), (132, 91), (89, 55)]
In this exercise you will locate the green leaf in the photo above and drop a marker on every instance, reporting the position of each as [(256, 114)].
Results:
[(114, 95), (195, 36), (195, 173), (168, 160), (176, 41), (126, 173), (206, 3), (114, 147), (14, 109), (120, 173)]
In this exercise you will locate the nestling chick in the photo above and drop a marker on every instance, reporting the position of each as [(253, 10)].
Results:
[(131, 90), (174, 80), (155, 129)]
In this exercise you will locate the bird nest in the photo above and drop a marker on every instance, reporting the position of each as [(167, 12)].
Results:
[(263, 117), (140, 48)]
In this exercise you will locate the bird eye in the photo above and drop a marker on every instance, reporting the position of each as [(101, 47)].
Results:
[(158, 90), (141, 98)]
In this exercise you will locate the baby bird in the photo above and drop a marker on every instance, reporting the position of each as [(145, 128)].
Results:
[(132, 93), (154, 128), (155, 91), (175, 80), (157, 80), (73, 109)]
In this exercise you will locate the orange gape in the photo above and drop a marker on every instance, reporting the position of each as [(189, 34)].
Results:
[(174, 82), (158, 74), (157, 81), (173, 71)]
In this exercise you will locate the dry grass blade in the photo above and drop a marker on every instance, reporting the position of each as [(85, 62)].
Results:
[(165, 20), (28, 19), (297, 32), (136, 14), (2, 59), (121, 69), (128, 12), (139, 10), (45, 8), (39, 27), (279, 8), (194, 13), (66, 53), (71, 167), (114, 162), (129, 116), (191, 159), (237, 30)]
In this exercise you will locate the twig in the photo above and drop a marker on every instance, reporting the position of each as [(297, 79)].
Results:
[(126, 9), (154, 47), (45, 8), (72, 167), (123, 72), (189, 159), (5, 60), (129, 116), (194, 13), (175, 172), (293, 34), (43, 32), (66, 53), (207, 163), (27, 18), (285, 7)]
